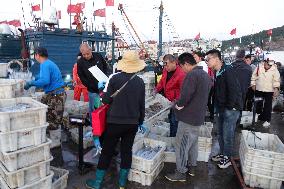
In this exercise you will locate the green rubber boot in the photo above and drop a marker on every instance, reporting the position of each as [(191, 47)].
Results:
[(96, 184), (123, 175)]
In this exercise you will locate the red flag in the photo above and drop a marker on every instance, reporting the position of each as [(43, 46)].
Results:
[(36, 7), (197, 37), (82, 5), (109, 2), (100, 12), (74, 8), (16, 23), (233, 31), (269, 32), (58, 14), (4, 22)]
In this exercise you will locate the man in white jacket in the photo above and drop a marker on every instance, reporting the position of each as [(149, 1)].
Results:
[(265, 82)]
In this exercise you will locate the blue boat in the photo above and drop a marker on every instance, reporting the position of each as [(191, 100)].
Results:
[(63, 45)]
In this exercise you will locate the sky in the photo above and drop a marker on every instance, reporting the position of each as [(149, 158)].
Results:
[(182, 18)]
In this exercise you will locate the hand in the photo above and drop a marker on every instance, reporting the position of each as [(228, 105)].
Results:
[(97, 142), (154, 93), (28, 85), (253, 87), (179, 108), (101, 85), (142, 129)]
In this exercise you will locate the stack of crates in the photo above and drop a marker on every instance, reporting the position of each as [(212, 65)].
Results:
[(149, 80), (262, 159), (24, 149), (144, 171)]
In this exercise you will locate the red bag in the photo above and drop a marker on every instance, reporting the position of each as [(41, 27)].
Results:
[(99, 114), (99, 119)]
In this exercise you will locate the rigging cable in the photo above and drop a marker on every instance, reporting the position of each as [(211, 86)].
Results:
[(23, 14), (129, 31)]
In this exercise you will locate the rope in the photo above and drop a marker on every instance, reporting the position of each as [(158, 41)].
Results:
[(129, 31)]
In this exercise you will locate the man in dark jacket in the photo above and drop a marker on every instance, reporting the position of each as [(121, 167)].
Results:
[(243, 72), (170, 85), (190, 111), (87, 61), (229, 103)]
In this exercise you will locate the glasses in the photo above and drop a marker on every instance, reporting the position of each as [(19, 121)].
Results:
[(207, 59), (165, 63)]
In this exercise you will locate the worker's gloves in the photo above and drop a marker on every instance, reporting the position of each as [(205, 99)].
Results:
[(97, 145), (276, 92), (101, 85), (28, 85), (142, 129)]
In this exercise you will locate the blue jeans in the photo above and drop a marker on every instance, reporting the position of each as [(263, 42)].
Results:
[(92, 97), (173, 123), (227, 120)]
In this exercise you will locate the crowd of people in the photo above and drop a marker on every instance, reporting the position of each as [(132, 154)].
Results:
[(193, 82)]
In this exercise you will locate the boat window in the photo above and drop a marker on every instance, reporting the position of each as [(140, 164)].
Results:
[(102, 46), (32, 45)]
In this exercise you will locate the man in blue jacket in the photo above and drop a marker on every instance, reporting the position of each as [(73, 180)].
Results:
[(229, 103), (50, 79)]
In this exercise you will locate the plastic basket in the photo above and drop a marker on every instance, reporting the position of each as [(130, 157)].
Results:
[(11, 88), (145, 165), (22, 119), (60, 176)]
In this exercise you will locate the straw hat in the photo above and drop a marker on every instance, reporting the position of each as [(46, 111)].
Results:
[(130, 62)]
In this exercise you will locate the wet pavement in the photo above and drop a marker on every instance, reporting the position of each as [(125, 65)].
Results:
[(208, 176)]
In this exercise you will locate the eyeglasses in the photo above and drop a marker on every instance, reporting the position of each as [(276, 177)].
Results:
[(207, 59), (165, 63)]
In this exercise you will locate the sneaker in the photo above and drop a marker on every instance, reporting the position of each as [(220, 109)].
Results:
[(266, 124), (176, 176), (191, 171), (217, 158), (224, 163)]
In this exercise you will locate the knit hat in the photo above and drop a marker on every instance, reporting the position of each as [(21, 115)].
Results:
[(130, 62)]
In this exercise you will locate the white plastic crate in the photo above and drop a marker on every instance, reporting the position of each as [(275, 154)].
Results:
[(27, 175), (76, 107), (262, 159), (87, 141), (145, 179), (11, 88), (15, 140), (205, 139), (163, 101), (61, 176), (25, 157), (158, 131), (37, 96), (22, 119), (44, 183), (247, 117), (145, 165), (3, 69), (55, 137)]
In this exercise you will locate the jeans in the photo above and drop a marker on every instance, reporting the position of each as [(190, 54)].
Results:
[(173, 123), (226, 130), (92, 100)]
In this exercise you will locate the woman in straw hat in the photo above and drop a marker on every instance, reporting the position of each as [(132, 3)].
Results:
[(126, 113)]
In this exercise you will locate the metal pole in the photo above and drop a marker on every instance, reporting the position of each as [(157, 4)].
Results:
[(160, 47), (112, 44), (70, 17)]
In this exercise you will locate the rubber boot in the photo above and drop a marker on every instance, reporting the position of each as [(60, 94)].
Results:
[(96, 184), (123, 175)]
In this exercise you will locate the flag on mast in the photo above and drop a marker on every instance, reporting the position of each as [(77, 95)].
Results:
[(100, 13), (233, 31), (197, 37), (109, 3)]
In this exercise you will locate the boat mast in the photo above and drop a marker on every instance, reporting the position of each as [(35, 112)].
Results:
[(112, 44), (160, 30), (70, 16)]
